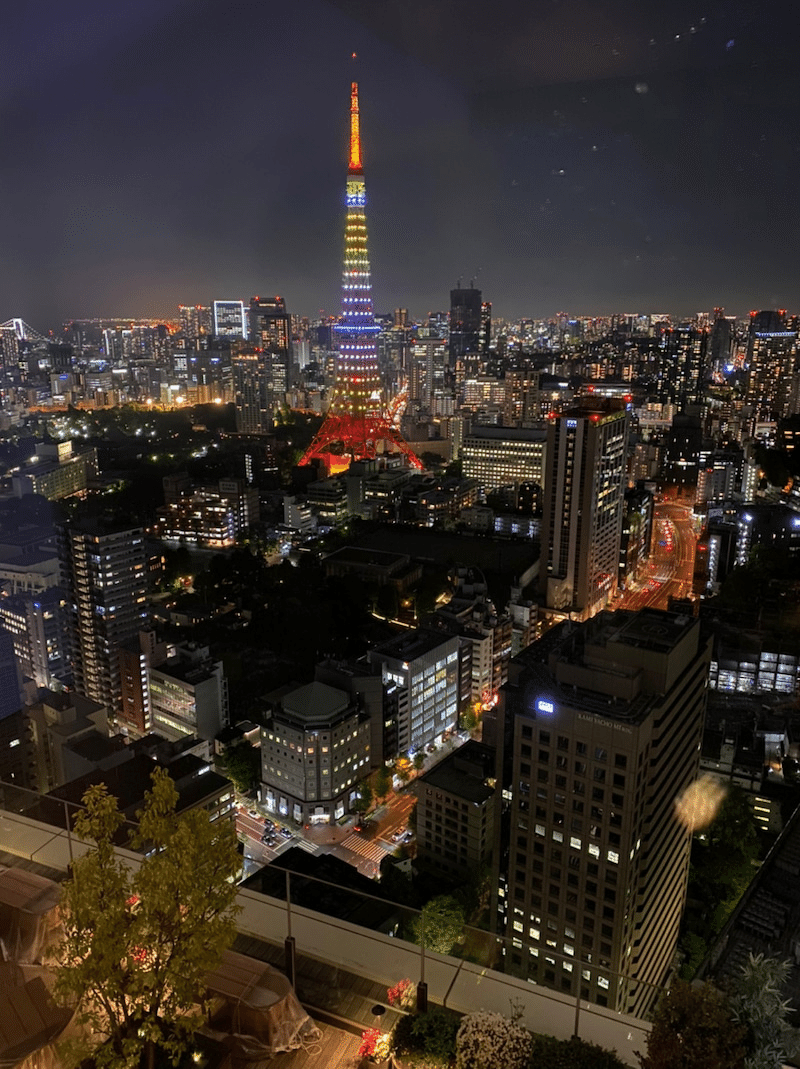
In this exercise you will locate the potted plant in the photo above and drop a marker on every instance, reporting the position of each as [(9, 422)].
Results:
[(375, 1048)]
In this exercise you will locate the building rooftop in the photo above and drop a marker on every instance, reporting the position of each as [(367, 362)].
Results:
[(368, 558), (129, 781), (411, 644), (510, 434), (648, 628), (464, 772), (315, 702)]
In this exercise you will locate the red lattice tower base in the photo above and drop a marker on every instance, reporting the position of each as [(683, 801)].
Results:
[(343, 439)]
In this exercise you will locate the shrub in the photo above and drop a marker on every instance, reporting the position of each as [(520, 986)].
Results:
[(550, 1053), (432, 1033), (492, 1041)]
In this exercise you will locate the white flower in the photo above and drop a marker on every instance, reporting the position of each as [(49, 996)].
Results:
[(492, 1041)]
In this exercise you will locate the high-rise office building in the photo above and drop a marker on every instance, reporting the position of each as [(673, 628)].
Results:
[(230, 319), (466, 316), (105, 577), (195, 320), (682, 365), (599, 731), (270, 331), (521, 406), (584, 487), (486, 326), (252, 391), (357, 418)]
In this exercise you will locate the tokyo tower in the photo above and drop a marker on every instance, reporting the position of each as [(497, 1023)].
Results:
[(357, 418)]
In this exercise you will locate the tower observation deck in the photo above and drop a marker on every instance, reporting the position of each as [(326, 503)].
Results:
[(358, 417)]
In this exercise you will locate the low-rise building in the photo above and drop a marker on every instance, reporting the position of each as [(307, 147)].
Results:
[(188, 694), (455, 812), (56, 472)]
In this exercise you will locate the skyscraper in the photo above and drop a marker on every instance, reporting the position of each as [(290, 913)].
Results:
[(270, 332), (601, 729), (584, 489), (104, 572), (466, 318), (229, 319), (252, 391), (357, 418), (772, 358)]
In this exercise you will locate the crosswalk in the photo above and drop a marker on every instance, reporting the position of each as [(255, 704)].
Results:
[(311, 848), (374, 851)]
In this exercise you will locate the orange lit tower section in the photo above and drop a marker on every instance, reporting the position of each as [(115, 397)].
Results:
[(357, 418)]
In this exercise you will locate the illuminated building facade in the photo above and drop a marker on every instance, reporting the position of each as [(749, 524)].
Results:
[(427, 668), (584, 489), (505, 456), (599, 731), (195, 320), (105, 579), (270, 332), (314, 751), (772, 389), (357, 418), (252, 391), (230, 319)]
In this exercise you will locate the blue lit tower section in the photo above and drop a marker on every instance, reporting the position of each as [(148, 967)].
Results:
[(357, 418)]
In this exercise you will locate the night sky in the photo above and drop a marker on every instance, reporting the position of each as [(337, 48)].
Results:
[(569, 155)]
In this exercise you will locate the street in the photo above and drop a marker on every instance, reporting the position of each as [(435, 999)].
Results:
[(364, 850), (671, 566)]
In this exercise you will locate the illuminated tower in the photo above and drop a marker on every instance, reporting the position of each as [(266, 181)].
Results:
[(357, 418)]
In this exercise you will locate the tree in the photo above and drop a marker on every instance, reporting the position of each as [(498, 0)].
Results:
[(363, 802), (693, 1027), (139, 941), (419, 760), (440, 924), (756, 1003), (382, 782), (242, 765)]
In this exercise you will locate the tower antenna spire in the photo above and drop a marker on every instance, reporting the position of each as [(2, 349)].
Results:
[(355, 133)]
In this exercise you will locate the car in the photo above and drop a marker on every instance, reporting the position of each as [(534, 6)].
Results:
[(397, 836), (286, 833), (408, 836)]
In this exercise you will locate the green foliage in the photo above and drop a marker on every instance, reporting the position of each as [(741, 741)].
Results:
[(721, 867), (693, 1027), (440, 925), (363, 803), (382, 782), (242, 765), (550, 1053), (419, 760), (432, 1033), (694, 948), (756, 1003), (138, 942)]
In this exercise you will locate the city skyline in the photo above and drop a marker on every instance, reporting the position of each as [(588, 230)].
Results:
[(640, 159)]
